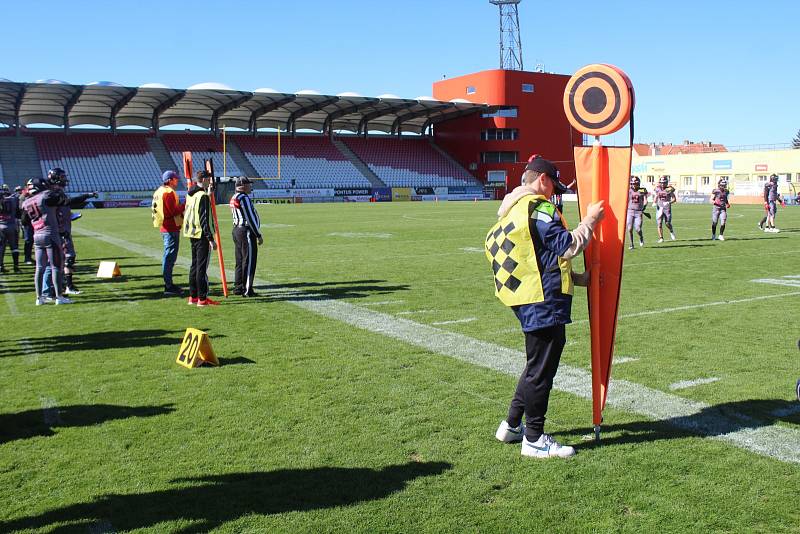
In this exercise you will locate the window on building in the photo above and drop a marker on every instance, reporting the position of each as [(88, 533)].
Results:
[(496, 176), (705, 180), (500, 134), (470, 89), (651, 179), (741, 177), (505, 113), (797, 177), (499, 157), (688, 180), (527, 87)]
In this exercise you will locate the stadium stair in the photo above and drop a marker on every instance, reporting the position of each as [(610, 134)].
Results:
[(20, 159), (241, 161), (450, 158), (161, 154), (358, 164)]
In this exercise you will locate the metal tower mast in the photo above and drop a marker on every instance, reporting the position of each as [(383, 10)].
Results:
[(510, 41)]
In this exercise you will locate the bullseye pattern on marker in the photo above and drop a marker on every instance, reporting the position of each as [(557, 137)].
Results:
[(599, 99)]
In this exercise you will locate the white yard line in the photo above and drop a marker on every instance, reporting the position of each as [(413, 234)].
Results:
[(50, 412), (777, 282), (11, 301), (414, 312), (623, 359), (472, 249), (457, 321), (31, 356), (381, 302), (684, 384), (779, 442)]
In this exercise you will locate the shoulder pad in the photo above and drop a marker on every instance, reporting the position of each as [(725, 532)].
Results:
[(545, 206), (642, 190), (669, 189)]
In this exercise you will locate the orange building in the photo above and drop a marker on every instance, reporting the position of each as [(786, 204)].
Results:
[(496, 147)]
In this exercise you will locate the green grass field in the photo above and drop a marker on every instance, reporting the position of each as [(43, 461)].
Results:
[(340, 405)]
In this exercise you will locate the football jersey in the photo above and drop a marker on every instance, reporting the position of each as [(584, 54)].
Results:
[(637, 199), (721, 198), (42, 209), (663, 195)]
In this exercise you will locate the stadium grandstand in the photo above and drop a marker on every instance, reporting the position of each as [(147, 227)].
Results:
[(113, 138)]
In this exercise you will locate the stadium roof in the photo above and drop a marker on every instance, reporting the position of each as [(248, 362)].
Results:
[(211, 105)]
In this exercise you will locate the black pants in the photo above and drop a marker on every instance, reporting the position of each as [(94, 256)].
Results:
[(198, 272), (246, 243), (543, 348)]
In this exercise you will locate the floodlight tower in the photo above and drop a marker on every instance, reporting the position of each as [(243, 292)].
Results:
[(510, 42)]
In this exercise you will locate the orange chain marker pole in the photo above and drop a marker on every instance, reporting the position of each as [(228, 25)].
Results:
[(599, 100), (209, 164)]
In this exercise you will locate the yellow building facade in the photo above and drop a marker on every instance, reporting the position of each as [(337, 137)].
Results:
[(694, 176)]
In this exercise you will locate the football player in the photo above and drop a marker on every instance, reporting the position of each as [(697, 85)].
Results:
[(719, 209), (637, 202), (664, 198)]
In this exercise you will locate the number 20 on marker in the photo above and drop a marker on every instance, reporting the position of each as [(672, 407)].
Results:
[(196, 349)]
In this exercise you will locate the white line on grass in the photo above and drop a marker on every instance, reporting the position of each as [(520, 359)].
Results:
[(31, 356), (472, 249), (789, 410), (623, 359), (378, 303), (50, 412), (720, 423), (456, 321), (414, 312), (777, 282), (696, 306), (362, 235), (10, 300), (684, 384)]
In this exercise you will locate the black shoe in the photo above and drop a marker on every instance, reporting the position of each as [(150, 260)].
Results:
[(17, 269), (250, 293), (173, 291), (28, 262), (237, 291)]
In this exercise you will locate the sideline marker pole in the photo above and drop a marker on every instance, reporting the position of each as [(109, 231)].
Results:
[(209, 164)]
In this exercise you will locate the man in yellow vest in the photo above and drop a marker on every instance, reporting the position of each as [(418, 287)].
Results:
[(168, 217), (530, 250), (198, 226)]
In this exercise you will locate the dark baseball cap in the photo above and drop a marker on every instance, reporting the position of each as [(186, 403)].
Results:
[(539, 164), (168, 175), (243, 180)]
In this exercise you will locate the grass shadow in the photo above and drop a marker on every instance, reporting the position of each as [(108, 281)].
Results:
[(211, 501), (717, 420), (33, 423), (91, 341)]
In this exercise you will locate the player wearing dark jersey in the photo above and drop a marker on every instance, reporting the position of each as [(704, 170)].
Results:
[(664, 198), (771, 199), (59, 181), (41, 209), (719, 209), (637, 202), (9, 230)]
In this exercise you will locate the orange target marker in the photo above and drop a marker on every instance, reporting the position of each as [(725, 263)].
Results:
[(599, 99)]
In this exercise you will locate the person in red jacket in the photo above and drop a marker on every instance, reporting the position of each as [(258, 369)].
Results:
[(168, 216)]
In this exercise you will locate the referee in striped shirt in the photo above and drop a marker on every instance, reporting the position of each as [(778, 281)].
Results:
[(246, 232)]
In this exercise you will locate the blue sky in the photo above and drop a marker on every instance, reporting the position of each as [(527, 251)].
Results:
[(724, 71)]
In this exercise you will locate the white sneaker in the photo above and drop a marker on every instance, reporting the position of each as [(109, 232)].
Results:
[(63, 300), (641, 244), (775, 230), (43, 300), (630, 247), (508, 434), (72, 291), (672, 236), (713, 238), (546, 447), (721, 237), (660, 239)]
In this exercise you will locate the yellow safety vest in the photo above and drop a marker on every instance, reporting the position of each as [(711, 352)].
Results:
[(510, 250), (191, 222), (158, 207)]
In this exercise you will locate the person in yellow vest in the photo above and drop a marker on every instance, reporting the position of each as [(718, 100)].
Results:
[(168, 217), (530, 250), (198, 226)]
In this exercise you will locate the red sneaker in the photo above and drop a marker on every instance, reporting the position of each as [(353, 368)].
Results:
[(192, 301), (207, 302)]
